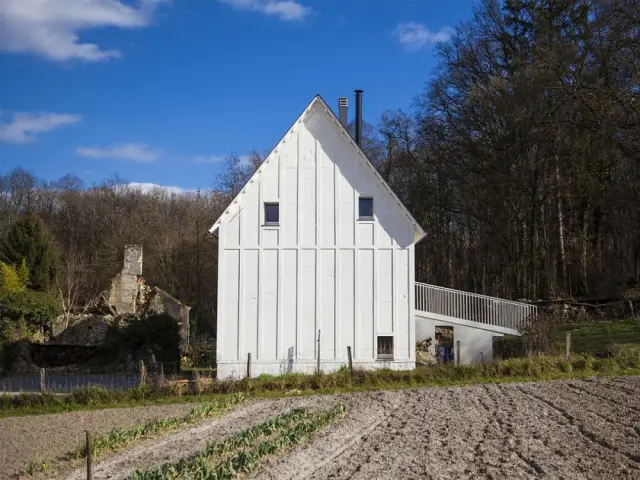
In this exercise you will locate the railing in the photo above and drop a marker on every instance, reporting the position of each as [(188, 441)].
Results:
[(473, 307)]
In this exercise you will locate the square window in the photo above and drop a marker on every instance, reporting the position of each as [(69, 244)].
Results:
[(365, 208), (271, 213), (385, 347)]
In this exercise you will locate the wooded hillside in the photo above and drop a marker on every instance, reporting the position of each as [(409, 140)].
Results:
[(521, 160)]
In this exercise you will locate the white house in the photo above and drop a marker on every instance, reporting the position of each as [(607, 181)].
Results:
[(316, 254), (315, 246)]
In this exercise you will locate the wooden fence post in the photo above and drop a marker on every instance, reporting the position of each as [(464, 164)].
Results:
[(458, 353), (318, 356), (249, 365), (42, 381), (568, 346), (350, 360), (142, 373), (89, 459)]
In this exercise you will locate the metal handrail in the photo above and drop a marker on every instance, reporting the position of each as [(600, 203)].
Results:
[(473, 306)]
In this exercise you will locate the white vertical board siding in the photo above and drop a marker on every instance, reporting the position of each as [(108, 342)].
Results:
[(270, 180), (251, 295), (364, 349), (251, 212), (231, 303), (232, 232), (327, 198), (289, 301), (307, 335), (347, 295), (385, 291), (320, 269), (327, 301), (403, 307), (269, 303), (289, 197), (308, 198)]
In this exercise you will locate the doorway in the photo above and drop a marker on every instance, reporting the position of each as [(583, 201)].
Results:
[(444, 344)]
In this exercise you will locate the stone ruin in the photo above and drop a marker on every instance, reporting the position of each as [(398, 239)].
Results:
[(128, 294)]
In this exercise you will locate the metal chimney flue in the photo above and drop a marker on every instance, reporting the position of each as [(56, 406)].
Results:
[(343, 106), (359, 117)]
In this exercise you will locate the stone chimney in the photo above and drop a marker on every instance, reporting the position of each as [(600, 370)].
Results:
[(124, 288)]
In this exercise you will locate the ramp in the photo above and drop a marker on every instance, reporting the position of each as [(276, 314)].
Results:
[(472, 310)]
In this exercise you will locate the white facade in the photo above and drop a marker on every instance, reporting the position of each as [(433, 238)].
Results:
[(476, 339), (321, 269)]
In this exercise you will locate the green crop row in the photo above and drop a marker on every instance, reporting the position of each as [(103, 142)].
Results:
[(117, 438), (245, 451)]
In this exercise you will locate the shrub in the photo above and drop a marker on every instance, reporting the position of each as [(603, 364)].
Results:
[(90, 396), (10, 280), (628, 357), (25, 314), (27, 400), (582, 362)]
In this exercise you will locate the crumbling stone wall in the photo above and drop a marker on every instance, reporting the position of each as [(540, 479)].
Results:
[(125, 286), (159, 301)]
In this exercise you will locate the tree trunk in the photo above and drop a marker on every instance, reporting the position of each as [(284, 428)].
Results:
[(563, 256)]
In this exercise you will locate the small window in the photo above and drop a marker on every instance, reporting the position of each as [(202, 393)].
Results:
[(271, 213), (366, 208), (385, 348)]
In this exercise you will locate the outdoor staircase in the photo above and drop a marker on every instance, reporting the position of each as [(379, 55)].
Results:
[(472, 309)]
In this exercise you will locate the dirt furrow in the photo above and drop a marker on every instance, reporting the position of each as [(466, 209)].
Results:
[(602, 392), (590, 426)]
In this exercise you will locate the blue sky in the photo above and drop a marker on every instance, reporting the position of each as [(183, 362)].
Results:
[(159, 91)]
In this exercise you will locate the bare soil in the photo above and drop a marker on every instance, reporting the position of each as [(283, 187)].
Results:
[(562, 429), (46, 437)]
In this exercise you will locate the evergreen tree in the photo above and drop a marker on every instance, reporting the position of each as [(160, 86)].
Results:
[(28, 239)]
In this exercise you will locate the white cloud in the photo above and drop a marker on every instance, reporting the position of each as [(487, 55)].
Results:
[(415, 36), (151, 187), (283, 9), (50, 28), (137, 152), (24, 127), (207, 159)]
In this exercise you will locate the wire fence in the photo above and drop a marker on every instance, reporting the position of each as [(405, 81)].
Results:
[(112, 378)]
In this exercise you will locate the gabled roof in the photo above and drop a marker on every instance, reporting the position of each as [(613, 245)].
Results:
[(318, 100)]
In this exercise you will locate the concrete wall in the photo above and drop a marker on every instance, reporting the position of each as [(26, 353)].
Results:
[(321, 269), (475, 343)]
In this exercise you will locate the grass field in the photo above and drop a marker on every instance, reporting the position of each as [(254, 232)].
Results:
[(600, 337)]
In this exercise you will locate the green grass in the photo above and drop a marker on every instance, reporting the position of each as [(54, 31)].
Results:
[(30, 403), (626, 361), (245, 451), (600, 337)]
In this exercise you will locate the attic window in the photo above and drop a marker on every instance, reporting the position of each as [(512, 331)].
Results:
[(385, 347), (272, 213), (365, 206)]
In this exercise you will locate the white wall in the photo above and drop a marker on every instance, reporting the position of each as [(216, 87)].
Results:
[(320, 269), (476, 344)]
